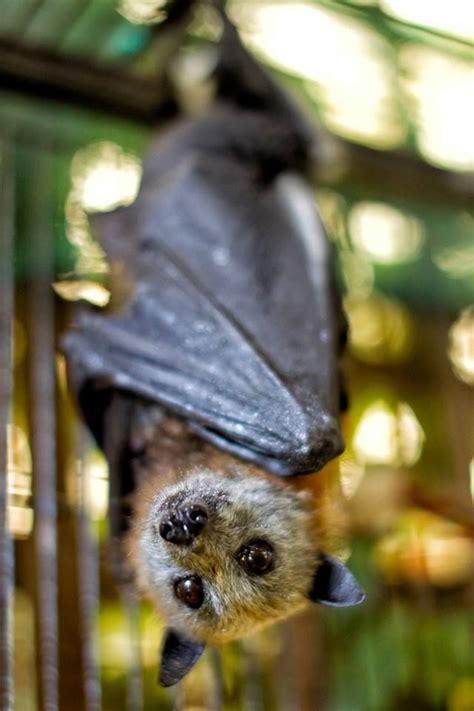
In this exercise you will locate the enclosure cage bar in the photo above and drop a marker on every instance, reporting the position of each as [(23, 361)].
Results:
[(134, 700), (42, 392), (89, 584), (46, 74), (7, 197), (57, 444)]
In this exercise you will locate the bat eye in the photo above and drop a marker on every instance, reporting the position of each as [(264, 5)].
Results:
[(190, 591), (256, 557)]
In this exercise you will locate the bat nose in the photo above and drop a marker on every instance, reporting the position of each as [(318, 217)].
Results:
[(183, 525)]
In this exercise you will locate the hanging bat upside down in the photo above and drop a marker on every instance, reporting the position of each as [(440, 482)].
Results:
[(218, 379)]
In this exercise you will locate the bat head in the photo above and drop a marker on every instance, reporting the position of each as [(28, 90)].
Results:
[(223, 553)]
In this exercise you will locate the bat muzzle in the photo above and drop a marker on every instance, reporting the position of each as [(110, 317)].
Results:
[(182, 526)]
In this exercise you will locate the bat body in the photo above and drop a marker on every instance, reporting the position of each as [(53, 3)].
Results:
[(234, 321), (220, 370)]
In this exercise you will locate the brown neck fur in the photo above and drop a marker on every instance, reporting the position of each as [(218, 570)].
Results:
[(172, 451)]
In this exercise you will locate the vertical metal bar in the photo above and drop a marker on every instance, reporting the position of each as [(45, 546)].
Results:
[(252, 678), (43, 424), (130, 605), (217, 695), (6, 318), (89, 588), (117, 425), (300, 669)]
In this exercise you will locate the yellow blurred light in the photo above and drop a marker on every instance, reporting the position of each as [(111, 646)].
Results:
[(105, 176), (376, 503), (426, 547), (18, 452), (91, 257), (96, 484), (455, 17), (358, 275), (20, 521), (461, 346), (192, 75), (206, 23), (441, 87), (375, 439), (410, 435), (332, 208), (116, 643), (75, 290), (449, 560), (471, 478), (384, 233), (351, 474), (462, 696), (151, 629), (386, 437), (456, 262), (381, 330), (331, 53), (19, 466), (61, 375), (19, 343), (142, 12)]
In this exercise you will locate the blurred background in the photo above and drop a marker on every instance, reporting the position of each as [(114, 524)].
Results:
[(390, 85)]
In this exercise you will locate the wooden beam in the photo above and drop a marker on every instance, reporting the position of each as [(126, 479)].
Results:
[(50, 75), (397, 174), (53, 76)]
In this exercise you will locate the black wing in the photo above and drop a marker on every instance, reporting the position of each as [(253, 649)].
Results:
[(234, 322)]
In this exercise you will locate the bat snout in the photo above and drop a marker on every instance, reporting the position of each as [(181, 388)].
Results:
[(181, 526)]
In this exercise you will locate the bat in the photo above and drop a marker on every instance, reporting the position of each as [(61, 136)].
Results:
[(226, 355)]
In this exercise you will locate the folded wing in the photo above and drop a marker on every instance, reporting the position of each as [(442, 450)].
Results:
[(233, 321)]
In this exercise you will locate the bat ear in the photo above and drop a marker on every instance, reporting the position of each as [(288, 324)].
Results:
[(178, 656), (334, 585)]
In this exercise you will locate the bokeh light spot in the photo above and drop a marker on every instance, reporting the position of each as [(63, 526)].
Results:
[(331, 53), (351, 474), (441, 89), (76, 290), (388, 437), (461, 346), (381, 331), (104, 176), (95, 471), (425, 547), (19, 467), (384, 233), (142, 12)]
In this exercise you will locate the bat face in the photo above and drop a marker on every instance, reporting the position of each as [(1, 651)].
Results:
[(222, 548), (221, 555)]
